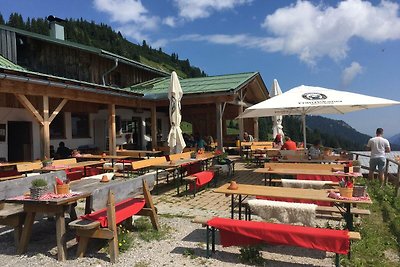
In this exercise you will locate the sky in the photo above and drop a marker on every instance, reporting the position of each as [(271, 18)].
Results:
[(349, 45)]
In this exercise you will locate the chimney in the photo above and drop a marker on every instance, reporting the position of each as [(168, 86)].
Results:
[(56, 28)]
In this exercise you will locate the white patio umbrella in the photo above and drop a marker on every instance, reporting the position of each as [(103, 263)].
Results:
[(176, 142), (306, 100), (277, 127)]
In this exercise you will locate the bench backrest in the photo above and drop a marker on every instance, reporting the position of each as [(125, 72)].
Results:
[(179, 156), (58, 162), (131, 153), (308, 166), (122, 190), (29, 166), (17, 187), (263, 143), (146, 163)]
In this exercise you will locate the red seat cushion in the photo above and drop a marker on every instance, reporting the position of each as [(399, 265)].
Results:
[(240, 233), (203, 178), (123, 210)]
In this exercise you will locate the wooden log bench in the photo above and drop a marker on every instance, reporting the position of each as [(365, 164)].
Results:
[(232, 231), (13, 215), (122, 203)]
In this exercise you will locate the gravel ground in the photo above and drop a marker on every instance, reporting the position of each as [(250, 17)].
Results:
[(184, 246)]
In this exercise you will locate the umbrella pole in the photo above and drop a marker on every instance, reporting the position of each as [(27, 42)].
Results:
[(304, 130)]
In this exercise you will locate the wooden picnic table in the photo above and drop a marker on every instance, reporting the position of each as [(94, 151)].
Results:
[(139, 153), (299, 171), (293, 193), (83, 164), (58, 207)]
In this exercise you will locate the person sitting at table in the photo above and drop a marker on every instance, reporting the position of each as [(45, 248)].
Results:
[(289, 144), (209, 142), (247, 137), (63, 152), (52, 152), (314, 152), (76, 153), (277, 143), (199, 142)]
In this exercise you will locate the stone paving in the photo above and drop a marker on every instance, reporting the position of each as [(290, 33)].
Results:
[(206, 202)]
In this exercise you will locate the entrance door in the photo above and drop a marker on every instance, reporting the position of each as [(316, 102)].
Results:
[(137, 132), (19, 141)]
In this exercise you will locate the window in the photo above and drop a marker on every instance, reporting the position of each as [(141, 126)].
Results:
[(57, 127), (232, 127), (80, 125), (148, 126)]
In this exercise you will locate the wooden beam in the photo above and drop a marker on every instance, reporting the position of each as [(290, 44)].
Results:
[(241, 127), (58, 109), (16, 87), (46, 128), (153, 127), (28, 105), (112, 139)]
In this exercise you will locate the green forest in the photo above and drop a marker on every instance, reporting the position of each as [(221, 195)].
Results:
[(104, 37), (332, 133)]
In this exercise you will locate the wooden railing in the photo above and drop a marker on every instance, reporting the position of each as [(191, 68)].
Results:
[(387, 174)]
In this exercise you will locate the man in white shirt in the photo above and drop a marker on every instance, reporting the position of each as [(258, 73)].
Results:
[(378, 146)]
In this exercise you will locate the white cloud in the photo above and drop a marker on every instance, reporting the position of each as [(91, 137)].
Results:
[(195, 9), (351, 72), (170, 21), (314, 31)]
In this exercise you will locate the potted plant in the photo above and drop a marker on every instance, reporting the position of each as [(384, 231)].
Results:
[(47, 162), (39, 187), (356, 166)]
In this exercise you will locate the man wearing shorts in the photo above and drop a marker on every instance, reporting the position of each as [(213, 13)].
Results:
[(378, 146)]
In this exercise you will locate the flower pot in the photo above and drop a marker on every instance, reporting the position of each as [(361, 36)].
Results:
[(37, 192), (233, 186), (359, 191), (357, 169), (346, 192), (62, 189)]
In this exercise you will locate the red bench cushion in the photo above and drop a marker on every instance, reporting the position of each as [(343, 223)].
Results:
[(123, 210), (203, 178), (319, 177), (239, 233)]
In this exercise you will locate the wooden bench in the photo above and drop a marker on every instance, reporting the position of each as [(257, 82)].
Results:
[(118, 208), (191, 180), (145, 165), (307, 166), (13, 215), (334, 212), (269, 227)]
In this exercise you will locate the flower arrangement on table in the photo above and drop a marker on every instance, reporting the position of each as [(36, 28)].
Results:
[(346, 186), (47, 162)]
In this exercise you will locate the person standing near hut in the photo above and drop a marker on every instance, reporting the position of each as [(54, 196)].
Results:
[(378, 147)]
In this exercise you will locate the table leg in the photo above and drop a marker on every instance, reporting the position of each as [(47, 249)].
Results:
[(348, 217), (60, 233), (26, 232), (232, 206), (240, 207)]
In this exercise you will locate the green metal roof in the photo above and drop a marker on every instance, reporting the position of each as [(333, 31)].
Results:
[(158, 88), (6, 64), (86, 48)]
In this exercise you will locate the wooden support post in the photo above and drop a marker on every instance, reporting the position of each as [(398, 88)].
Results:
[(150, 205), (219, 126), (46, 128), (256, 133), (153, 127), (111, 130), (241, 127)]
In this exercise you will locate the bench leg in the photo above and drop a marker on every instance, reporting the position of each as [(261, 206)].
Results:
[(337, 260), (208, 241), (26, 232), (82, 245)]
